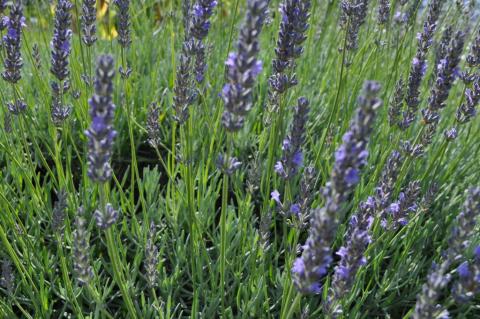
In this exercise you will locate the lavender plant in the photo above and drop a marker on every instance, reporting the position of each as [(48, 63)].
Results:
[(350, 158), (243, 67)]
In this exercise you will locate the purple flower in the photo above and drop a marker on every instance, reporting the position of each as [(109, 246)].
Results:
[(317, 254), (418, 67), (451, 134), (13, 59), (276, 197), (353, 15), (101, 133), (243, 67), (123, 27), (292, 160), (89, 16)]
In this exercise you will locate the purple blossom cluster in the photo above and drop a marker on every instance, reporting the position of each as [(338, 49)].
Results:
[(60, 44), (467, 109), (295, 14), (353, 15), (81, 249), (123, 29), (101, 133), (468, 284), (243, 67), (89, 16), (400, 210), (292, 160), (350, 158), (61, 49), (419, 62), (383, 11), (11, 41)]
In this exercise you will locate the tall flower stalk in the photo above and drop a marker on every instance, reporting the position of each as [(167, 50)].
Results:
[(13, 61), (419, 63), (350, 158), (61, 49)]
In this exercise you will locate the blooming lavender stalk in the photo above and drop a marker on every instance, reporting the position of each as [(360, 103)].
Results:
[(442, 48), (467, 109), (383, 11), (292, 160), (89, 16), (81, 250), (351, 259), (8, 279), (473, 59), (350, 158), (468, 284), (184, 93), (60, 44), (37, 59), (419, 62), (59, 211), (386, 185), (441, 90), (106, 217), (295, 14), (153, 127), (459, 241), (407, 203), (13, 60), (354, 13), (101, 133), (61, 49), (151, 258), (200, 25), (396, 104), (243, 68), (123, 22)]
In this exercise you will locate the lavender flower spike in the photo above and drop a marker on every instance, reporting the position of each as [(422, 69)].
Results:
[(202, 11), (419, 62), (407, 203), (292, 160), (243, 68), (13, 60), (468, 108), (295, 14), (468, 284), (60, 44), (350, 158), (354, 13), (81, 248), (89, 17), (383, 11), (123, 23), (101, 133)]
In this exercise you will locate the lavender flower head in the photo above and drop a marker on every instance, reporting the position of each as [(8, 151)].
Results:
[(354, 13), (407, 203), (292, 160), (89, 17), (383, 11), (295, 14), (151, 258), (60, 44), (123, 22), (445, 78), (467, 109), (13, 59), (465, 225), (473, 59), (419, 62), (101, 133), (468, 283), (243, 67), (81, 249), (200, 24), (350, 158)]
